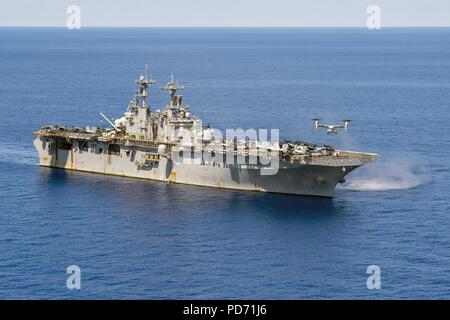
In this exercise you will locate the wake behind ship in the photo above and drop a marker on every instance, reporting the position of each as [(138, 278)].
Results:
[(172, 146)]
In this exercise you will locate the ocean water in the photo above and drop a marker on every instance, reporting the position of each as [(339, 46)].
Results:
[(151, 240)]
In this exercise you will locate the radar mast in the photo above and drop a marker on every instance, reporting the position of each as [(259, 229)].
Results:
[(142, 91), (172, 87)]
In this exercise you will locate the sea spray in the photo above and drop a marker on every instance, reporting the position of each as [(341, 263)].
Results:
[(389, 174)]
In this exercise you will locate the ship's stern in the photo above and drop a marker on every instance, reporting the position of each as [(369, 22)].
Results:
[(45, 151)]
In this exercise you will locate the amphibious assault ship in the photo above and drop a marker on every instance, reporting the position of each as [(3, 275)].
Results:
[(172, 146)]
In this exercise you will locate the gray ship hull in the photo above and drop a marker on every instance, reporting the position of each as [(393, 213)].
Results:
[(313, 179)]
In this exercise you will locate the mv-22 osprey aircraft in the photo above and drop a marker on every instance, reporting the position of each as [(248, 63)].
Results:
[(332, 129)]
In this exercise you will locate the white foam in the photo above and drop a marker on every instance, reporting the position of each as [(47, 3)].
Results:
[(391, 175), (378, 185)]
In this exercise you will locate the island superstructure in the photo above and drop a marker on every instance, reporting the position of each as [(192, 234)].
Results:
[(171, 145)]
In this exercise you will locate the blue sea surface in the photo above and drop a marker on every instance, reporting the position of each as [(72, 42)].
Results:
[(152, 240)]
